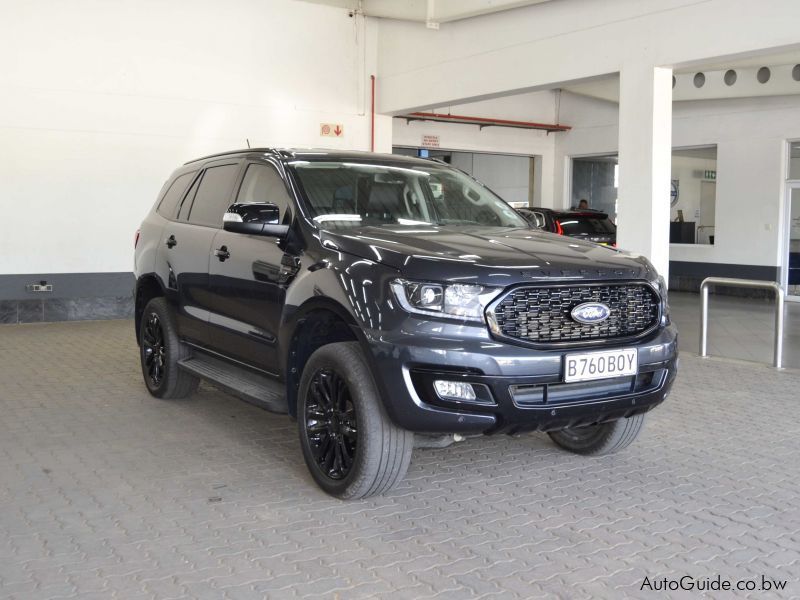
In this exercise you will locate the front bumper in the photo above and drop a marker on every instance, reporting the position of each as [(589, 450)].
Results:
[(519, 388)]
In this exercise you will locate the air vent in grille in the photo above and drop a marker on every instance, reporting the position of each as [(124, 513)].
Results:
[(542, 314)]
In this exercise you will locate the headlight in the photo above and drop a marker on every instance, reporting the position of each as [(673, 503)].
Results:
[(463, 301), (661, 286)]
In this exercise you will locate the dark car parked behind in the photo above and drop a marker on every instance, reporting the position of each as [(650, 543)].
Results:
[(586, 224), (386, 302)]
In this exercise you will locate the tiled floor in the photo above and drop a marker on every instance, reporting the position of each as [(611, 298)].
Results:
[(737, 328), (107, 492)]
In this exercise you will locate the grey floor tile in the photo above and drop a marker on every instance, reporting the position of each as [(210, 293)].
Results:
[(738, 328), (105, 492)]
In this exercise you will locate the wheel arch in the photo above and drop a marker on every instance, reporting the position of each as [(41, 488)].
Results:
[(147, 287), (318, 322)]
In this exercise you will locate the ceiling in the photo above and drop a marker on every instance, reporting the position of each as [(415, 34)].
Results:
[(424, 11), (607, 87), (790, 57)]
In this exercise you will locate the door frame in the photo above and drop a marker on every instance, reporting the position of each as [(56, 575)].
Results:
[(791, 184)]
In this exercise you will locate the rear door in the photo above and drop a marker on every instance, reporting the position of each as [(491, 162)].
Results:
[(249, 276), (186, 247)]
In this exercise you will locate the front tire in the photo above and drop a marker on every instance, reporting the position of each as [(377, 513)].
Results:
[(160, 349), (350, 446), (604, 438)]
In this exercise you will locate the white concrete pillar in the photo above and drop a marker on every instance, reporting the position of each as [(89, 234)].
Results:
[(645, 154)]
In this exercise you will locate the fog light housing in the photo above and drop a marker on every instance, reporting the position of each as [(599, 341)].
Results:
[(455, 390)]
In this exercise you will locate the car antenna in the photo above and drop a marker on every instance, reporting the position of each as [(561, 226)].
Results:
[(248, 142)]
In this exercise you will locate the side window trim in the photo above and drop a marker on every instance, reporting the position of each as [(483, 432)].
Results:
[(169, 187), (193, 187)]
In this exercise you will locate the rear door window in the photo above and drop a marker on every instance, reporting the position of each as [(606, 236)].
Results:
[(214, 195), (169, 202)]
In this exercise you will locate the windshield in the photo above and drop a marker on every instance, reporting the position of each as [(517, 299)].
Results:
[(347, 194)]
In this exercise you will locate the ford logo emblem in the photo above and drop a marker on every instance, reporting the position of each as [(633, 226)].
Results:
[(590, 313)]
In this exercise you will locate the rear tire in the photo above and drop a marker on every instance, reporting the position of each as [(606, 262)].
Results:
[(604, 438), (350, 446), (160, 349)]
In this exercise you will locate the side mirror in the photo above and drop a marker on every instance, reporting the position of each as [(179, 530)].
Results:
[(262, 218)]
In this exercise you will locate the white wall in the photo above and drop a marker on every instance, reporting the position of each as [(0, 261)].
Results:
[(750, 135), (538, 107), (508, 176), (101, 100)]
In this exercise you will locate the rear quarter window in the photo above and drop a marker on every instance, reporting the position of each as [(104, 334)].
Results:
[(169, 202)]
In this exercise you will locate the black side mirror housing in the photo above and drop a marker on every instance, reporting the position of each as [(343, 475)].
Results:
[(260, 218)]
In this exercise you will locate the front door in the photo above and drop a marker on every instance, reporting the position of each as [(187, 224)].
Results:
[(248, 278)]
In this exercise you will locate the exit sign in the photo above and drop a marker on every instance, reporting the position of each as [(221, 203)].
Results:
[(710, 175), (331, 129)]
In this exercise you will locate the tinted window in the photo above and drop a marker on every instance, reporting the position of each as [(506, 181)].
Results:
[(262, 183), (213, 196), (576, 225), (169, 203)]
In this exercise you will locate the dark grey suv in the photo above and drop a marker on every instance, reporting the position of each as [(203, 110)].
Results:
[(386, 302)]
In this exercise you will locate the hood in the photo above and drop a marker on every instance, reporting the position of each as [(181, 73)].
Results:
[(491, 256)]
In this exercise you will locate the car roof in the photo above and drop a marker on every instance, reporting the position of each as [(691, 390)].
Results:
[(320, 154)]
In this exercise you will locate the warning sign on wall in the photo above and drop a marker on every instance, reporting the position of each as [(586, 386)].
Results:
[(331, 129), (430, 141)]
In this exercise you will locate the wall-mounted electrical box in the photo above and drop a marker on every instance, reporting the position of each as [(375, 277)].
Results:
[(42, 286)]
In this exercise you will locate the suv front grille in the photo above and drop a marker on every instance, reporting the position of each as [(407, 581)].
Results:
[(542, 315)]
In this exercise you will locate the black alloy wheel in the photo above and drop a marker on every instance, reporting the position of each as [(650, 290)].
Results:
[(331, 424), (154, 351), (161, 352), (350, 446)]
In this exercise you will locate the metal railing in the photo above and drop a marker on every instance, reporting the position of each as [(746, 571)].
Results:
[(743, 283)]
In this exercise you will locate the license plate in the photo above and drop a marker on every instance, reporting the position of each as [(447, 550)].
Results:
[(600, 365)]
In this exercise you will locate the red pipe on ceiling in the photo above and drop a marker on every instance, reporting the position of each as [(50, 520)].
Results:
[(485, 121)]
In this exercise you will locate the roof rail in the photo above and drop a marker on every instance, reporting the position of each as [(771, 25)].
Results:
[(230, 152)]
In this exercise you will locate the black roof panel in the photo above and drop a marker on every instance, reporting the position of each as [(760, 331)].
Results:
[(317, 154)]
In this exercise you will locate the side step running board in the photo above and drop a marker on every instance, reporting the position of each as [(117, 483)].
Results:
[(238, 381)]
